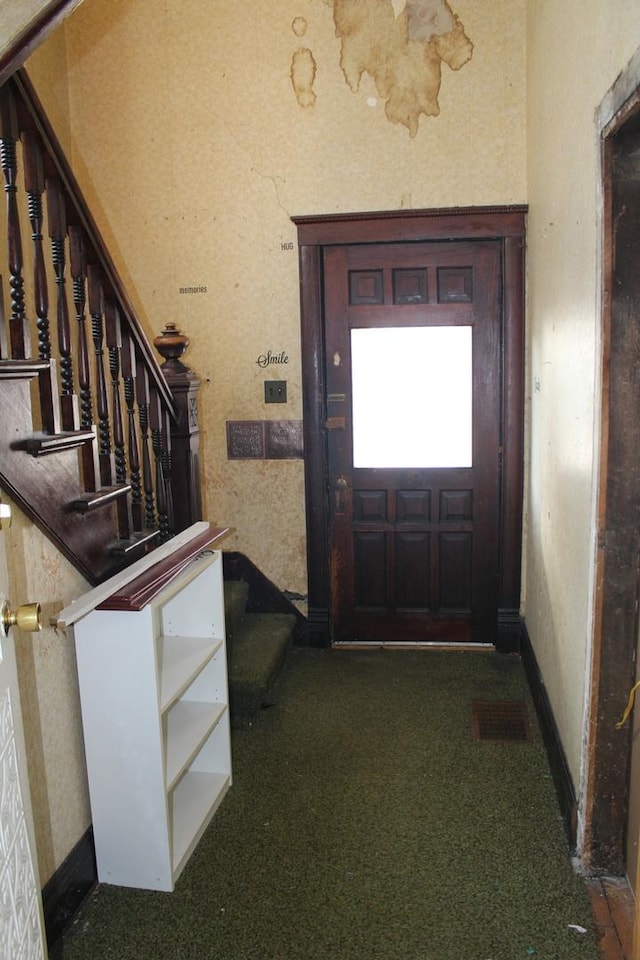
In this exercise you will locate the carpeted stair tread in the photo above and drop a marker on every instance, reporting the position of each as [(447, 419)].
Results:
[(236, 593), (256, 654)]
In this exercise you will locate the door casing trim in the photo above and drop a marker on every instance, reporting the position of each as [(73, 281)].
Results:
[(607, 751), (505, 224)]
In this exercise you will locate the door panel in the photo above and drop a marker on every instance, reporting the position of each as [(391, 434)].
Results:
[(21, 916), (414, 520)]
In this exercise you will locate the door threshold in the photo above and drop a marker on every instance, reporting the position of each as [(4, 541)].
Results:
[(410, 645)]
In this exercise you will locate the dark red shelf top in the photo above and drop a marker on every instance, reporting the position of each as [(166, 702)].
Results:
[(136, 594)]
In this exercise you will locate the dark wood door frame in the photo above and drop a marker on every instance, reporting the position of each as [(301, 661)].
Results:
[(617, 563), (505, 224)]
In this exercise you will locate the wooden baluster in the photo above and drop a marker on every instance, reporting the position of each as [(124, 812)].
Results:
[(155, 420), (94, 285), (57, 232), (34, 185), (167, 468), (78, 276), (127, 356), (114, 345), (142, 391), (9, 134), (4, 339), (77, 258)]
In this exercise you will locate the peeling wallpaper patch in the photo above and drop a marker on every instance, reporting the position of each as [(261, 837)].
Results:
[(303, 73), (400, 44), (299, 26), (429, 18)]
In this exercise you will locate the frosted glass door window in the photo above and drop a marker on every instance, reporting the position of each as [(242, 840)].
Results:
[(412, 396)]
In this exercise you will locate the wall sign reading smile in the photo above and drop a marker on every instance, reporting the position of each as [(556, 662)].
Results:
[(269, 359)]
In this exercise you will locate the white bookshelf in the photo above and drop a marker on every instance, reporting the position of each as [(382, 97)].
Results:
[(155, 713)]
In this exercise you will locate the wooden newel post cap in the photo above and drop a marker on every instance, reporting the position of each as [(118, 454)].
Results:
[(171, 344)]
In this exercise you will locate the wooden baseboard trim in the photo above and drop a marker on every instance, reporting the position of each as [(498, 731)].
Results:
[(562, 779), (66, 890), (509, 631)]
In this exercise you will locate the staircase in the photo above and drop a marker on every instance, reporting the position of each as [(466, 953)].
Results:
[(87, 414), (257, 646), (99, 442)]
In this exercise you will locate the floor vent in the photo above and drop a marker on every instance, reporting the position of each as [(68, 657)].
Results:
[(502, 721)]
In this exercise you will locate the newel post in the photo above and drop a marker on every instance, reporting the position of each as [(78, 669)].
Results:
[(185, 431)]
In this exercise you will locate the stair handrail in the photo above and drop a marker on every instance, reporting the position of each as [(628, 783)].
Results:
[(33, 104), (103, 394), (27, 30)]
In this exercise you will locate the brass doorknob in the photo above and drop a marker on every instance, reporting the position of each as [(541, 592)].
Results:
[(27, 617), (340, 490)]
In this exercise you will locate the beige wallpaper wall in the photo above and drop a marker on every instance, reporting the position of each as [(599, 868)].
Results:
[(575, 51), (194, 151), (192, 144)]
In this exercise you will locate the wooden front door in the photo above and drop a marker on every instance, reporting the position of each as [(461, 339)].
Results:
[(440, 231), (413, 388)]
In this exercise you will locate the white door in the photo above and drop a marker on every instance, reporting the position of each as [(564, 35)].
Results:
[(21, 918)]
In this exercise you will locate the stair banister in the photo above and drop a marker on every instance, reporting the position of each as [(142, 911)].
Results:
[(81, 216), (129, 425)]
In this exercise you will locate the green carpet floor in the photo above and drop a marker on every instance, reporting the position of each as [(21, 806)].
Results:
[(364, 823)]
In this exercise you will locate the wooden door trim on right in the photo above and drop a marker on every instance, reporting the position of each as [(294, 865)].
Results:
[(506, 224), (607, 759)]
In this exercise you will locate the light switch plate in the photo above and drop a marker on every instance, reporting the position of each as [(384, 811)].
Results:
[(275, 391)]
